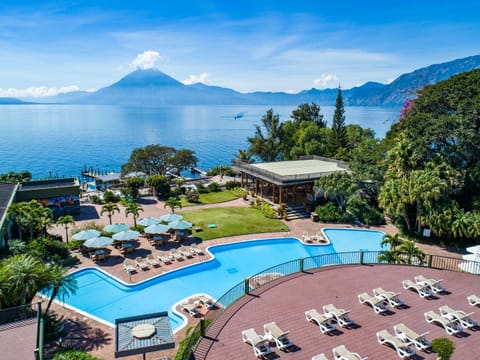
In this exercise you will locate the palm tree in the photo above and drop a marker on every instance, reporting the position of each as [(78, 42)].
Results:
[(134, 209), (388, 256), (110, 209), (412, 254), (60, 283), (173, 203), (66, 220), (392, 241)]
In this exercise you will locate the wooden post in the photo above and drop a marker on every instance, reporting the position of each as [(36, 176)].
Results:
[(247, 286)]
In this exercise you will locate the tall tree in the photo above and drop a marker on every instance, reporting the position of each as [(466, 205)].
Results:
[(173, 203), (66, 221), (309, 113), (341, 185), (110, 209), (133, 209), (152, 160), (339, 141), (265, 144), (60, 284)]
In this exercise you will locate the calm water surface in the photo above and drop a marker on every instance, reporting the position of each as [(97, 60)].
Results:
[(58, 140)]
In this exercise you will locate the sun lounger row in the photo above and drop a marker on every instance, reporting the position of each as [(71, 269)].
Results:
[(261, 343), (309, 238), (403, 349), (341, 353), (330, 314)]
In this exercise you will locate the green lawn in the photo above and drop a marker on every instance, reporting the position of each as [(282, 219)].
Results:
[(214, 197), (231, 221)]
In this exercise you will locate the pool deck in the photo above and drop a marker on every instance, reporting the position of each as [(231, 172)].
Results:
[(280, 301), (103, 345)]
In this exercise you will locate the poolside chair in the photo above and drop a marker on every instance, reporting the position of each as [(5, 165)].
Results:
[(184, 252), (207, 301), (340, 315), (423, 291), (408, 335), (324, 322), (320, 357), (450, 327), (195, 249), (403, 349), (128, 266), (141, 263), (260, 345), (434, 285), (190, 308), (378, 305), (165, 259), (389, 296), (152, 261), (342, 353), (277, 335), (460, 316), (174, 254), (473, 300)]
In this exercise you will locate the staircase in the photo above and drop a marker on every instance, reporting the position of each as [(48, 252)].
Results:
[(297, 212)]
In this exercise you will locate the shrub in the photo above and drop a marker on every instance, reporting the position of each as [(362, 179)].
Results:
[(229, 185), (70, 354), (364, 212), (74, 244), (110, 197), (192, 196), (213, 187), (202, 189), (96, 199), (268, 211), (443, 347), (47, 249), (330, 213), (226, 170)]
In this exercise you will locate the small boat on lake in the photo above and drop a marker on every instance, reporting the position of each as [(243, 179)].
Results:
[(239, 116)]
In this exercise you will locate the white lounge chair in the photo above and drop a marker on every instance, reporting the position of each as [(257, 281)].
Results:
[(152, 261), (207, 301), (184, 252), (473, 300), (128, 266), (458, 315), (190, 308), (422, 290), (277, 335), (450, 327), (141, 263), (342, 353), (340, 315), (389, 296), (320, 357), (324, 322), (195, 249), (408, 335), (175, 255), (378, 305), (434, 285), (403, 349), (165, 259), (259, 344)]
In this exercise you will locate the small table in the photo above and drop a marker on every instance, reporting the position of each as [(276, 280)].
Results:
[(143, 331)]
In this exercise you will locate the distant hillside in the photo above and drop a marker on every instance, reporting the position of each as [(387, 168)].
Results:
[(11, 101), (153, 88)]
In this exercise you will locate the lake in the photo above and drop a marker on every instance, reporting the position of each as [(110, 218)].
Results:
[(59, 140)]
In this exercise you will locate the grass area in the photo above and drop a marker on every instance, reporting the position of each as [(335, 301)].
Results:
[(231, 221), (214, 197)]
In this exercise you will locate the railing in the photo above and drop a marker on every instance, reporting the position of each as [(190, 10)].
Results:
[(296, 266)]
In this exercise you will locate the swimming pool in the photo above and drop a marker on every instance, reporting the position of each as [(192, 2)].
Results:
[(105, 298)]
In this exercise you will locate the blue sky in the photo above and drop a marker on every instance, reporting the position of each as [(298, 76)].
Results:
[(52, 46)]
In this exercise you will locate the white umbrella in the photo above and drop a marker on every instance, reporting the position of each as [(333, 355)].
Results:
[(148, 221), (470, 267), (86, 234), (156, 229), (180, 225), (471, 257), (171, 217), (474, 249), (126, 235), (115, 228), (98, 242)]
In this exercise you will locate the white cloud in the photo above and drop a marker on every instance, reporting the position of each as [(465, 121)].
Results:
[(325, 80), (193, 79), (37, 91), (146, 60)]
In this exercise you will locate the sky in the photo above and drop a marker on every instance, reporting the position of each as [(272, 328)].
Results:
[(47, 47)]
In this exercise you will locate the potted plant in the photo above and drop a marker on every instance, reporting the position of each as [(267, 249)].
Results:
[(443, 347)]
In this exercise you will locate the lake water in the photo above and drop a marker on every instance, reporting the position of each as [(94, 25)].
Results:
[(58, 140)]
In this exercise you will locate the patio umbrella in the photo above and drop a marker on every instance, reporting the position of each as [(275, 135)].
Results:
[(115, 228), (157, 229), (148, 221), (474, 249), (180, 225), (126, 235), (86, 234), (471, 267), (98, 242), (171, 217)]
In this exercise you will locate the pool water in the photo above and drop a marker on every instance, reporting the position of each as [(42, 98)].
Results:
[(105, 298)]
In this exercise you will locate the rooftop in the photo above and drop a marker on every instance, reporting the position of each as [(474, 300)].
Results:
[(7, 191), (286, 300)]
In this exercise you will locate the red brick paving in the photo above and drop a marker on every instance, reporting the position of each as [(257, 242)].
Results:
[(17, 342), (285, 301)]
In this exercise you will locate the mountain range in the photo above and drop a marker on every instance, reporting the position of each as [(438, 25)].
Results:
[(151, 87)]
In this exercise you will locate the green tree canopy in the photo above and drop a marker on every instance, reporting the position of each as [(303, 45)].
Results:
[(341, 185), (265, 144), (339, 143)]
